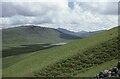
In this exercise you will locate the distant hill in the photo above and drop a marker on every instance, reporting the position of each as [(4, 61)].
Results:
[(79, 34), (33, 34)]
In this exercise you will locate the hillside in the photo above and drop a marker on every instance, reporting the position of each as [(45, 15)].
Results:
[(33, 34), (93, 56), (55, 61), (81, 34)]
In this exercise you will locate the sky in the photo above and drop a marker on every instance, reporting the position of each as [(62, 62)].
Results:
[(74, 15)]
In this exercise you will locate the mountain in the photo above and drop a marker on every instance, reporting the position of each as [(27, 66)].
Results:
[(72, 59), (81, 34), (33, 34)]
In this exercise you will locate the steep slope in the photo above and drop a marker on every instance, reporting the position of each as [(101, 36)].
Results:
[(91, 72), (40, 60), (32, 35), (93, 56)]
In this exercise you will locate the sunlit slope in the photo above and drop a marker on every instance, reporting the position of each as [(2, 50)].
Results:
[(40, 59)]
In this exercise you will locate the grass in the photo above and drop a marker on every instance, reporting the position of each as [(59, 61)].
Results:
[(0, 67), (9, 61), (96, 55), (96, 69), (24, 35), (43, 58), (12, 56), (24, 49)]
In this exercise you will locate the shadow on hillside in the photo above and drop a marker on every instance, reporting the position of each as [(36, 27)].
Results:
[(23, 49), (68, 36)]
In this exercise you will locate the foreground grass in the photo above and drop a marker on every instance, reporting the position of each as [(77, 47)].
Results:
[(0, 67), (41, 59), (96, 69), (96, 55), (16, 54), (9, 61), (24, 49)]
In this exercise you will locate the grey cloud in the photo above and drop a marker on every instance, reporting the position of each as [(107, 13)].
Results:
[(43, 21), (119, 8), (111, 8), (108, 8), (17, 20), (10, 9), (21, 14)]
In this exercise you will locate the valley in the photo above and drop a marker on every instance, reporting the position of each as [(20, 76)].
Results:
[(59, 39), (34, 58)]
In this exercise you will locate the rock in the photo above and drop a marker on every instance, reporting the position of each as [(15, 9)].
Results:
[(118, 65)]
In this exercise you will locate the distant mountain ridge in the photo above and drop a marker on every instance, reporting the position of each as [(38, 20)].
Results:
[(33, 34), (78, 34)]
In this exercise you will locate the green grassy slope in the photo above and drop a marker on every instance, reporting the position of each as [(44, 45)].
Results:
[(41, 59), (24, 49), (31, 35), (96, 69), (93, 56)]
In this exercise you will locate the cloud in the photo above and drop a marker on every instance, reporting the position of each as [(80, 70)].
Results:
[(109, 8), (27, 9), (73, 16), (9, 9)]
